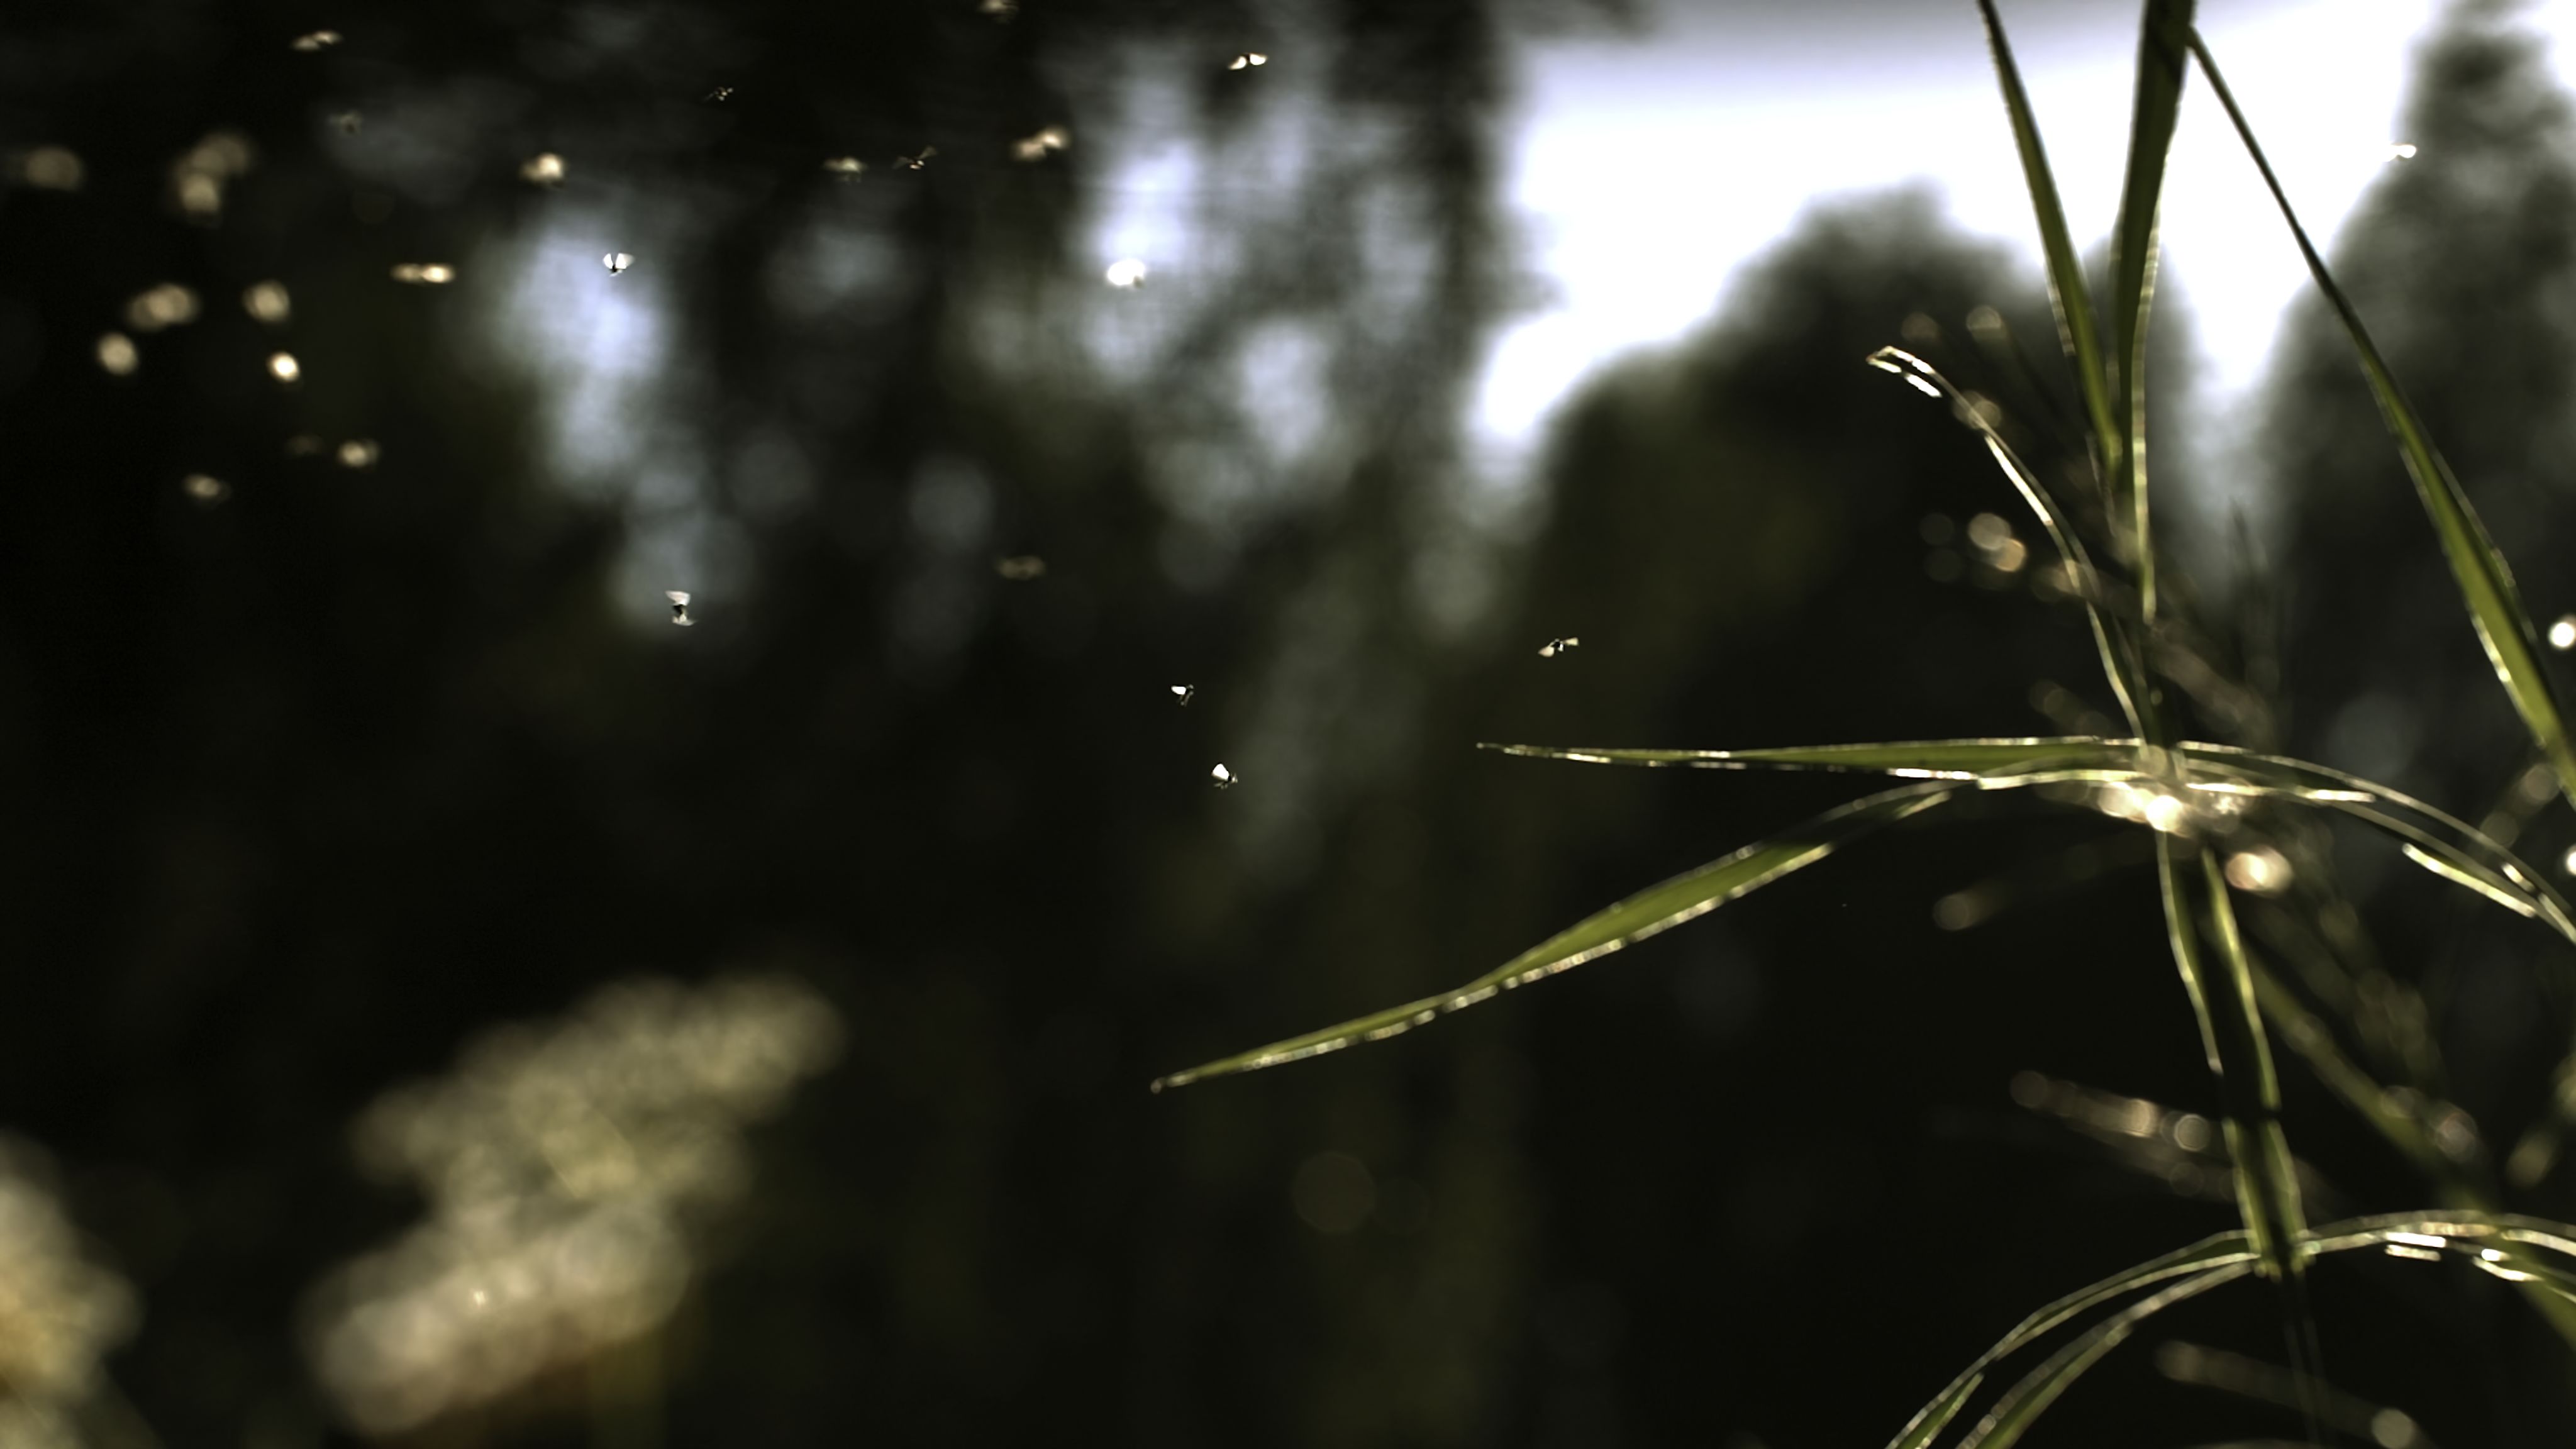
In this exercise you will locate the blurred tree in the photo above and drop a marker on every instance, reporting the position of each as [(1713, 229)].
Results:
[(318, 777), (2461, 260)]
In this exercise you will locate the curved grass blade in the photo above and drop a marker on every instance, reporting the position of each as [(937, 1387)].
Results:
[(1935, 1416), (2430, 837), (1684, 897), (2212, 1252), (2486, 582), (2531, 1251), (2210, 953), (2164, 31), (2076, 327), (2011, 1417), (2123, 663)]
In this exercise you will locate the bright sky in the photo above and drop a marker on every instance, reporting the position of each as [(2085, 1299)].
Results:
[(1769, 111)]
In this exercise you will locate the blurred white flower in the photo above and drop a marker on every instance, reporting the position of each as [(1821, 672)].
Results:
[(567, 1167), (60, 1310)]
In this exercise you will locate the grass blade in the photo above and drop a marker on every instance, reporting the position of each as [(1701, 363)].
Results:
[(2076, 327), (2123, 662), (2531, 1251), (2208, 1253), (1684, 897), (2486, 583), (1935, 1416), (2210, 953), (2013, 1415), (2164, 34), (2430, 837), (1919, 759)]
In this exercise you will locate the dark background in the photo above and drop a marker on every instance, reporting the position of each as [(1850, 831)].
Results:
[(304, 788)]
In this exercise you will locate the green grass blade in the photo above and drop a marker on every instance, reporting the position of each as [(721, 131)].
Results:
[(2123, 662), (2210, 953), (2532, 1251), (2013, 1415), (2486, 583), (2076, 327), (1684, 897), (2208, 1253), (1935, 1416), (1919, 759), (2432, 839), (2164, 34)]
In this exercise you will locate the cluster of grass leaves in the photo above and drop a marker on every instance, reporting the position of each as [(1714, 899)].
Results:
[(2193, 797)]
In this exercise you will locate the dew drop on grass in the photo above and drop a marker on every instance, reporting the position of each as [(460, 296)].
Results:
[(116, 354), (51, 168), (2393, 1428), (198, 177), (267, 302), (1223, 778), (1960, 910), (167, 305), (679, 607), (1035, 148), (2261, 870)]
